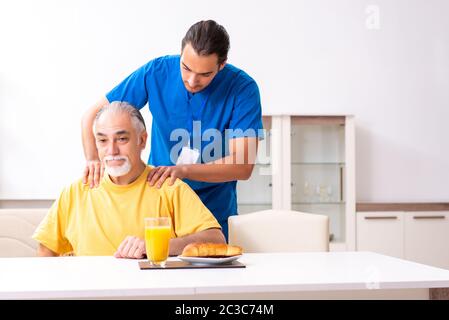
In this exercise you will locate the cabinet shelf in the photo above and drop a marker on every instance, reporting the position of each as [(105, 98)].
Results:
[(318, 202), (254, 204), (293, 203), (318, 163), (307, 163)]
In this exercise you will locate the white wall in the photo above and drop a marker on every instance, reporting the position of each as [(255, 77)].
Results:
[(308, 57)]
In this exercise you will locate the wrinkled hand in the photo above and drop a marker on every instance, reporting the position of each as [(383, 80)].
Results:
[(131, 248), (158, 175), (93, 173)]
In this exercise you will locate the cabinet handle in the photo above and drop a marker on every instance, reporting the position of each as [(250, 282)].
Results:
[(341, 183), (381, 218), (270, 184), (428, 217)]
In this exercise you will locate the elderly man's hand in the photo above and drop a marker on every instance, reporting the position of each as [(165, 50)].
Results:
[(93, 173), (131, 248), (158, 175)]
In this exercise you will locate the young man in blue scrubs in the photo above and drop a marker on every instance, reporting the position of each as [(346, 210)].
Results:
[(206, 119)]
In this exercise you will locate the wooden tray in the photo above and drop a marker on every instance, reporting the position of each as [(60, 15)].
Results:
[(145, 265)]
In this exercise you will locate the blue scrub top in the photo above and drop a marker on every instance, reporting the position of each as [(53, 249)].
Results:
[(230, 101)]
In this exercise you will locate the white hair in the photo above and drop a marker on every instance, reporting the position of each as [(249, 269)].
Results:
[(124, 107)]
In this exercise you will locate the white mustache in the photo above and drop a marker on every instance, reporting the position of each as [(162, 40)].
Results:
[(112, 158)]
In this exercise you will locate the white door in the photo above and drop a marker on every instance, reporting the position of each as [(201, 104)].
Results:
[(381, 232), (427, 238)]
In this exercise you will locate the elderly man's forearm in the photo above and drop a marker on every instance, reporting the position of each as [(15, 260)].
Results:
[(43, 251)]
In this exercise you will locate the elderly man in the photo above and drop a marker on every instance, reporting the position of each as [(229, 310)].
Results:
[(109, 220)]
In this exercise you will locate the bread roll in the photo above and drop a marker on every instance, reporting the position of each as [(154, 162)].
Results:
[(212, 250)]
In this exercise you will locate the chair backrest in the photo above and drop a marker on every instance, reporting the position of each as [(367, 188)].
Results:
[(279, 231), (16, 228)]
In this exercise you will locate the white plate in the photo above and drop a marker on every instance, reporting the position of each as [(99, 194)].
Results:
[(199, 260)]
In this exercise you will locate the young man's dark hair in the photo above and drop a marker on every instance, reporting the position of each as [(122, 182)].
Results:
[(208, 37)]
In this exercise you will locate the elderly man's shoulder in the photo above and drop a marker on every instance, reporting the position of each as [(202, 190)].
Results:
[(176, 186)]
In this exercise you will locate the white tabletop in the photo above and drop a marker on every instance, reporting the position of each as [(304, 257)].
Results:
[(91, 277)]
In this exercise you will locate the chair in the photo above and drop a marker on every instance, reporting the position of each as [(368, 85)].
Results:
[(16, 228), (279, 231)]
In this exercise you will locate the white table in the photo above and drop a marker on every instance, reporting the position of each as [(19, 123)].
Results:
[(267, 276)]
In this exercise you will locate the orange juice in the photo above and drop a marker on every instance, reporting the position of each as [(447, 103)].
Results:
[(157, 239)]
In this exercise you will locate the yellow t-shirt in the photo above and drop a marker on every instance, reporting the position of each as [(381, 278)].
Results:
[(95, 221)]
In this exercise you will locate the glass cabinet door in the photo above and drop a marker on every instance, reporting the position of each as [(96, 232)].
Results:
[(318, 169), (255, 194)]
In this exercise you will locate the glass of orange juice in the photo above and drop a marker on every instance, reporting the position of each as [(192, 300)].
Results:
[(157, 239)]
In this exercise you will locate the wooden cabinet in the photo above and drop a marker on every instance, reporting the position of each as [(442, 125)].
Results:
[(419, 236), (306, 163), (381, 232), (427, 238), (322, 171)]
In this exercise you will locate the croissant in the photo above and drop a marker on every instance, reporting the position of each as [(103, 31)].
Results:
[(213, 250)]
